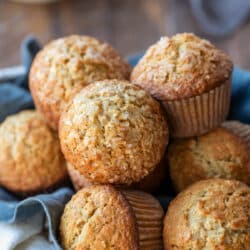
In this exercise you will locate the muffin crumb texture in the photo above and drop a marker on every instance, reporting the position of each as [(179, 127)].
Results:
[(98, 218), (180, 67), (64, 66), (30, 159), (113, 132), (211, 214), (217, 154)]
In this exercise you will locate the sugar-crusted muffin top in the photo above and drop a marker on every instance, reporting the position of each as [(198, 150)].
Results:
[(30, 159), (66, 65), (217, 154), (180, 67), (98, 217), (211, 214), (113, 132)]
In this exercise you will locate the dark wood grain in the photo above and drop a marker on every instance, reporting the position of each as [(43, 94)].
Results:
[(129, 25)]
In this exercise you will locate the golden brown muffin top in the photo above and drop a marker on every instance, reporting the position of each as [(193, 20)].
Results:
[(98, 217), (30, 159), (180, 67), (217, 154), (113, 132), (211, 214), (78, 180), (64, 66)]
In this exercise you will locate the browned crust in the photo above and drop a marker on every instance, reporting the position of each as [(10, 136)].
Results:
[(64, 181), (113, 132), (31, 160), (217, 154), (181, 67), (211, 214), (77, 179), (99, 217), (64, 66), (153, 181), (150, 183)]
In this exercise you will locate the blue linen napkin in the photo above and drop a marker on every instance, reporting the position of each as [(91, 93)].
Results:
[(38, 216), (30, 219)]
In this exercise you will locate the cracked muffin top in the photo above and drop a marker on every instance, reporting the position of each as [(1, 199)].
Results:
[(64, 66), (31, 160), (217, 154), (180, 67), (211, 214), (98, 217), (113, 132), (102, 217)]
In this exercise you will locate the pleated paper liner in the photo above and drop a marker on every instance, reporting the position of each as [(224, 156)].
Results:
[(150, 183), (200, 114), (149, 218), (240, 129)]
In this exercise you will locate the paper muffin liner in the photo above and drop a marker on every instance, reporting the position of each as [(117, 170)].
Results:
[(240, 129), (149, 219), (200, 114), (77, 179)]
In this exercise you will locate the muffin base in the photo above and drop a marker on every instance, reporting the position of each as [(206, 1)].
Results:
[(150, 183), (197, 115), (149, 218), (25, 194)]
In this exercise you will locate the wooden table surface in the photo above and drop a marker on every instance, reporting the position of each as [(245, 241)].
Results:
[(129, 25)]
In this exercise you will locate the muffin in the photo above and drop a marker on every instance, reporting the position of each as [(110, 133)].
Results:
[(113, 132), (78, 180), (150, 183), (153, 182), (217, 154), (65, 66), (31, 160), (191, 78), (102, 217), (211, 214)]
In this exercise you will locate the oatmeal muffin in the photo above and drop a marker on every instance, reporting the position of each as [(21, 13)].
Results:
[(78, 180), (191, 78), (113, 132), (30, 159), (102, 217), (212, 214), (65, 66), (217, 154), (150, 183), (153, 182)]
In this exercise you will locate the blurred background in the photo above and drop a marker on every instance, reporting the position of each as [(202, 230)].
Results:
[(129, 25)]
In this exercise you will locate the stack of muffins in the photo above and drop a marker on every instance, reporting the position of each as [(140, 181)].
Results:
[(113, 127)]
